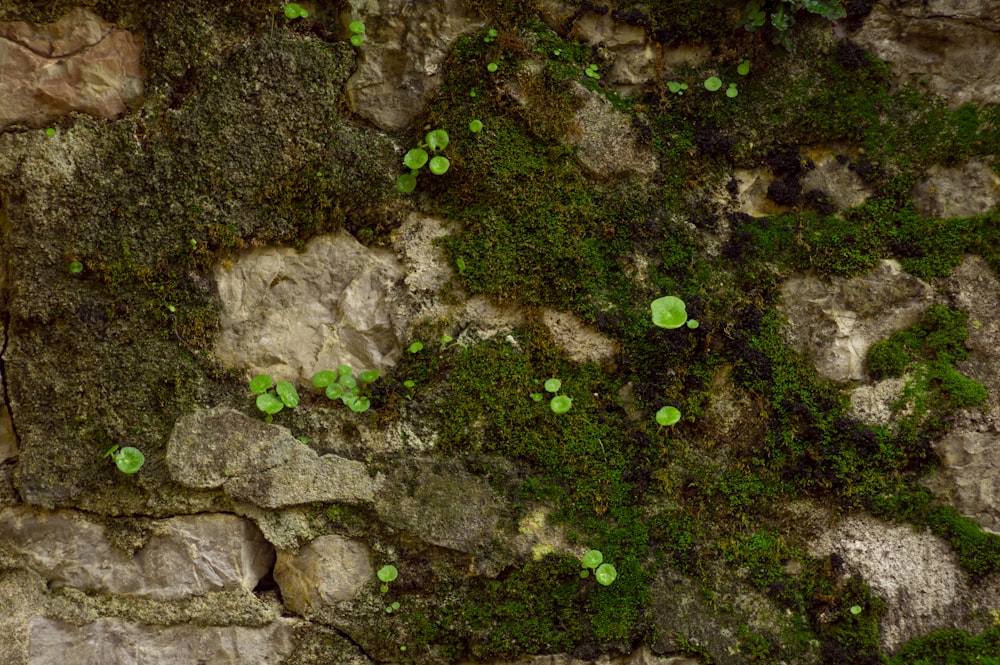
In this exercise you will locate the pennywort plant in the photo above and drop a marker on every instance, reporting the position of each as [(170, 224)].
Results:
[(127, 459), (604, 573), (559, 403), (755, 15), (273, 397), (294, 10), (386, 574), (425, 154), (357, 29), (343, 385)]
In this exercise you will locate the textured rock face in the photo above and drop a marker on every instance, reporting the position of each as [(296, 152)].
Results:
[(838, 320), (832, 176), (109, 641), (641, 656), (399, 63), (970, 189), (79, 63), (326, 571), (969, 481), (582, 343), (291, 314), (951, 46), (187, 556), (259, 463), (605, 139), (914, 573)]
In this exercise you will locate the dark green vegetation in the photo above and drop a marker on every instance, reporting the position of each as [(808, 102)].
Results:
[(695, 509)]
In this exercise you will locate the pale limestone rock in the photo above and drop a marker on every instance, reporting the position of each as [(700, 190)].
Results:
[(836, 321), (326, 571), (291, 314), (832, 176), (872, 404), (581, 342), (605, 140), (970, 189), (186, 556), (22, 592), (951, 47), (916, 574), (78, 63), (969, 480), (441, 504), (425, 262), (259, 463), (399, 65), (118, 642)]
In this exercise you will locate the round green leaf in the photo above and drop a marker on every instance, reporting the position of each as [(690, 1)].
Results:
[(357, 40), (289, 396), (50, 132), (324, 378), (348, 381), (667, 416), (260, 383), (731, 91), (713, 83), (476, 126), (416, 346), (584, 573), (369, 376), (295, 10), (552, 385), (537, 396), (406, 183), (743, 68), (439, 165), (855, 609), (359, 404), (334, 391), (560, 404), (75, 267), (344, 370), (668, 312), (129, 459), (692, 323), (387, 573), (415, 158), (409, 384), (592, 559), (269, 404), (437, 140), (492, 67), (606, 574), (357, 27)]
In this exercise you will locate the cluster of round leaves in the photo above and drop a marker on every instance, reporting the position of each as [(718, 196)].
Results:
[(435, 141), (591, 71), (357, 29), (343, 386), (127, 459), (295, 10), (273, 397), (604, 573), (559, 403), (385, 575)]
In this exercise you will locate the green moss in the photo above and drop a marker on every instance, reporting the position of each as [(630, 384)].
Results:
[(950, 647)]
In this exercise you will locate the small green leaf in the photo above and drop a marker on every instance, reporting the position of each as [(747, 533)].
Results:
[(731, 91), (75, 267), (553, 385), (357, 27), (408, 384), (439, 165), (348, 381), (492, 67), (369, 376), (743, 68), (357, 40), (437, 140), (668, 312), (260, 383), (359, 404), (415, 158), (667, 416), (129, 459), (295, 10), (289, 396), (387, 573), (334, 391), (460, 264), (406, 183), (606, 574), (324, 378), (475, 126), (50, 132), (344, 370), (856, 609), (713, 83), (416, 346), (269, 404), (560, 404), (537, 396), (692, 323), (592, 559)]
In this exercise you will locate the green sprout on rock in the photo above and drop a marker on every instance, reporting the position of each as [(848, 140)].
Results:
[(387, 574), (492, 67), (357, 29), (677, 88), (294, 10), (731, 91), (491, 35), (75, 267), (743, 68), (344, 386), (713, 83), (604, 573), (415, 159), (475, 126), (668, 312), (560, 403), (127, 459), (591, 71), (667, 416), (272, 398)]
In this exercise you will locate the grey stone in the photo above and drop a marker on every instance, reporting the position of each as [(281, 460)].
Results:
[(970, 189), (836, 321), (326, 571), (951, 47), (399, 64), (968, 480), (186, 556), (605, 139), (78, 63), (259, 463), (292, 314), (915, 573), (833, 177), (445, 506), (873, 403), (581, 342), (108, 641)]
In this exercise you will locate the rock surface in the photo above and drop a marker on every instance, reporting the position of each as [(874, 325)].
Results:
[(400, 62), (970, 189), (259, 463), (952, 48), (581, 342), (836, 321), (291, 314), (641, 656), (326, 571), (605, 139), (78, 63), (120, 642), (186, 556), (916, 574)]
